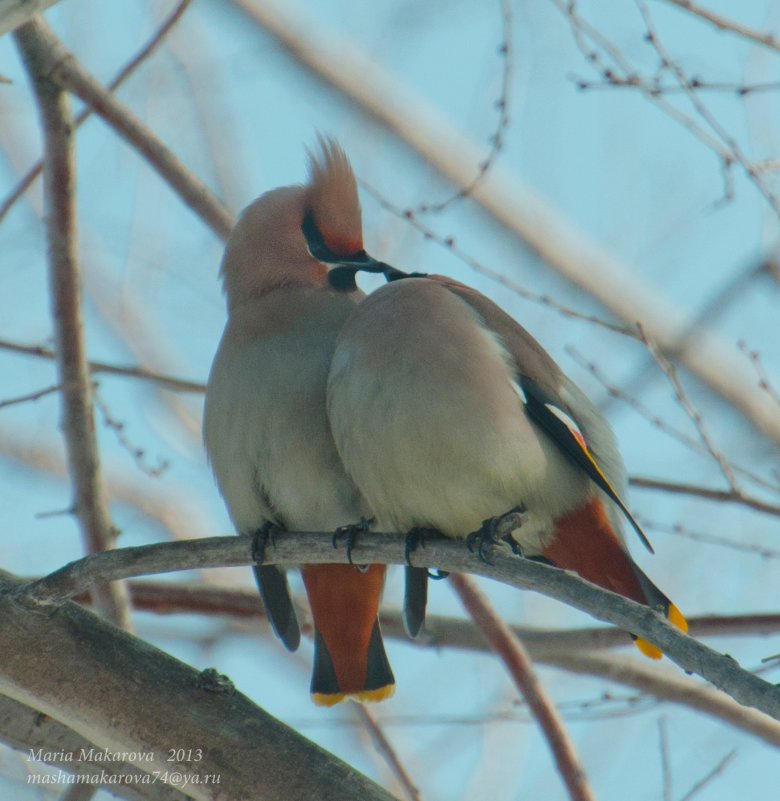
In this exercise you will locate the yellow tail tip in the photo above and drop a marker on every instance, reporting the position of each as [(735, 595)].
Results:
[(331, 699), (648, 649), (675, 617)]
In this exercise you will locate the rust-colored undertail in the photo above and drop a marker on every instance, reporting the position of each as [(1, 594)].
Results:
[(586, 544), (349, 656)]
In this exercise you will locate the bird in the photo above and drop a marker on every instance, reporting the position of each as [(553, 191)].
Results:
[(265, 427), (449, 415)]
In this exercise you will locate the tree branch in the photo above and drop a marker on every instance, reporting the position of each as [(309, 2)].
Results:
[(732, 26), (89, 675), (36, 734), (572, 650), (62, 67), (619, 288), (726, 496), (517, 661), (297, 548), (142, 373), (14, 13), (29, 177), (78, 424)]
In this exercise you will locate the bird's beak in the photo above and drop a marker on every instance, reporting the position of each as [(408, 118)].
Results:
[(343, 269)]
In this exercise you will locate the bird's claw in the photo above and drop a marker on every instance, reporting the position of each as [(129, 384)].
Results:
[(414, 539), (265, 534), (494, 531), (350, 534)]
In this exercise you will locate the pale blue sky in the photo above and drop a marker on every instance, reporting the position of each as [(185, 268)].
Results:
[(239, 112)]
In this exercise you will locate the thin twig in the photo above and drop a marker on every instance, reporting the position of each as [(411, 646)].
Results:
[(714, 773), (693, 413), (735, 151), (138, 454), (663, 746), (449, 243), (387, 751), (63, 68), (681, 530), (29, 177), (658, 422), (90, 501), (722, 23), (763, 377), (141, 373), (712, 494), (517, 661), (30, 396), (497, 137), (359, 77)]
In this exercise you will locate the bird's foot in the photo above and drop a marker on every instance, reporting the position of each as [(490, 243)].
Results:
[(494, 531), (265, 534), (416, 538), (350, 534)]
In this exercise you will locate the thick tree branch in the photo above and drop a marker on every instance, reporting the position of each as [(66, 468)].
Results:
[(63, 68), (296, 548), (38, 735), (14, 13), (89, 675), (78, 424), (571, 650), (517, 661)]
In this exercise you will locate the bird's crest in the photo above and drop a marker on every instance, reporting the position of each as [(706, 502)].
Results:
[(333, 198)]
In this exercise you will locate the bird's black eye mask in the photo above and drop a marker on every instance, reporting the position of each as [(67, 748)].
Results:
[(343, 269)]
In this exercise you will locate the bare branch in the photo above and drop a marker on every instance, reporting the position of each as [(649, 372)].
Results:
[(29, 177), (295, 548), (524, 215), (735, 153), (30, 396), (722, 23), (693, 413), (30, 731), (90, 675), (666, 771), (142, 373), (727, 496), (517, 661), (78, 423), (63, 68), (14, 13), (387, 751), (667, 685), (712, 774), (570, 650)]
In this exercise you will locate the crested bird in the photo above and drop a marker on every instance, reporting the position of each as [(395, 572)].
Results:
[(265, 426), (448, 415)]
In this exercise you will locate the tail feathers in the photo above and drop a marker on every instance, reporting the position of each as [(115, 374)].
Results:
[(379, 682), (655, 599), (415, 599), (349, 655), (275, 592), (586, 544)]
